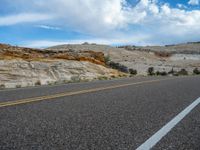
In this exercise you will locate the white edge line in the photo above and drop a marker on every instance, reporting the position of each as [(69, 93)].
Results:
[(154, 139)]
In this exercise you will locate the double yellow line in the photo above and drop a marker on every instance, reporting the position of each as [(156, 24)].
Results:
[(54, 96)]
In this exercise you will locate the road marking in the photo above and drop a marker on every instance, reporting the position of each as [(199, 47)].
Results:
[(51, 97), (153, 140)]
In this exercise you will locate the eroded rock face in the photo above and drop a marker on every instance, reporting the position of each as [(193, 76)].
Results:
[(21, 67), (28, 54), (20, 73)]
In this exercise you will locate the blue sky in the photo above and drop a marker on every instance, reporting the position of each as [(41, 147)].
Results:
[(115, 22)]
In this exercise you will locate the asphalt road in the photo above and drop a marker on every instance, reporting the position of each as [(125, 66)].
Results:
[(111, 115)]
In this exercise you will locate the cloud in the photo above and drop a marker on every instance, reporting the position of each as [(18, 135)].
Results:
[(193, 2), (114, 19), (181, 6), (48, 27), (23, 18)]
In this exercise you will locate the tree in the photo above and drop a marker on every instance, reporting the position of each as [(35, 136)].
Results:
[(183, 72), (196, 71), (151, 71), (132, 71)]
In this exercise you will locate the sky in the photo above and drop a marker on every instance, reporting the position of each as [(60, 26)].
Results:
[(42, 23)]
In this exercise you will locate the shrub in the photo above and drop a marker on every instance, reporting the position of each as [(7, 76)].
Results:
[(2, 86), (50, 83), (157, 73), (150, 71), (163, 73), (183, 72), (176, 74), (196, 71), (118, 66), (103, 78), (132, 71), (162, 54), (171, 71), (37, 83), (113, 76), (107, 59), (75, 79), (18, 86)]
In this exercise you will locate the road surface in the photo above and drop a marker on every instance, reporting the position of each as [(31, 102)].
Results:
[(125, 114)]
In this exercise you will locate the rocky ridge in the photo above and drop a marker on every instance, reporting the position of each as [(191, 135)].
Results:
[(162, 58), (21, 67)]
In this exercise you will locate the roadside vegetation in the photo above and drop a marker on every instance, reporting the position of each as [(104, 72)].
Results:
[(133, 72), (172, 72), (38, 83), (2, 86), (18, 86), (150, 71), (196, 71), (118, 66)]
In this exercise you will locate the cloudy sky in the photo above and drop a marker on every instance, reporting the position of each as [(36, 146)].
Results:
[(42, 23)]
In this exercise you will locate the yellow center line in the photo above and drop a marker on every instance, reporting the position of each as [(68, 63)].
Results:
[(52, 97)]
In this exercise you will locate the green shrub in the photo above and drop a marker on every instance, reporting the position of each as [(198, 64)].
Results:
[(2, 86), (107, 59), (196, 71), (113, 76), (102, 78), (150, 71), (18, 86), (163, 73), (118, 66), (75, 79), (183, 72), (132, 71), (37, 83), (171, 71)]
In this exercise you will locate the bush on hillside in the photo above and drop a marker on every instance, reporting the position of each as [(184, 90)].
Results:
[(118, 66), (196, 71), (37, 83), (163, 73), (150, 71), (183, 72), (171, 71), (107, 59), (18, 86), (2, 86), (132, 71)]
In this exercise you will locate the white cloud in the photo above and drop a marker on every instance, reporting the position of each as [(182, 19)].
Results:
[(23, 18), (193, 2), (113, 19), (48, 27), (181, 6)]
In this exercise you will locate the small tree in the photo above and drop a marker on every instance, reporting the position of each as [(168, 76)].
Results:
[(37, 83), (132, 71), (2, 86), (118, 66), (196, 71), (163, 73), (183, 72), (171, 71), (107, 59), (151, 71)]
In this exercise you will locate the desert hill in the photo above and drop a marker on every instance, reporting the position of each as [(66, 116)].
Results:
[(20, 67), (162, 58)]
